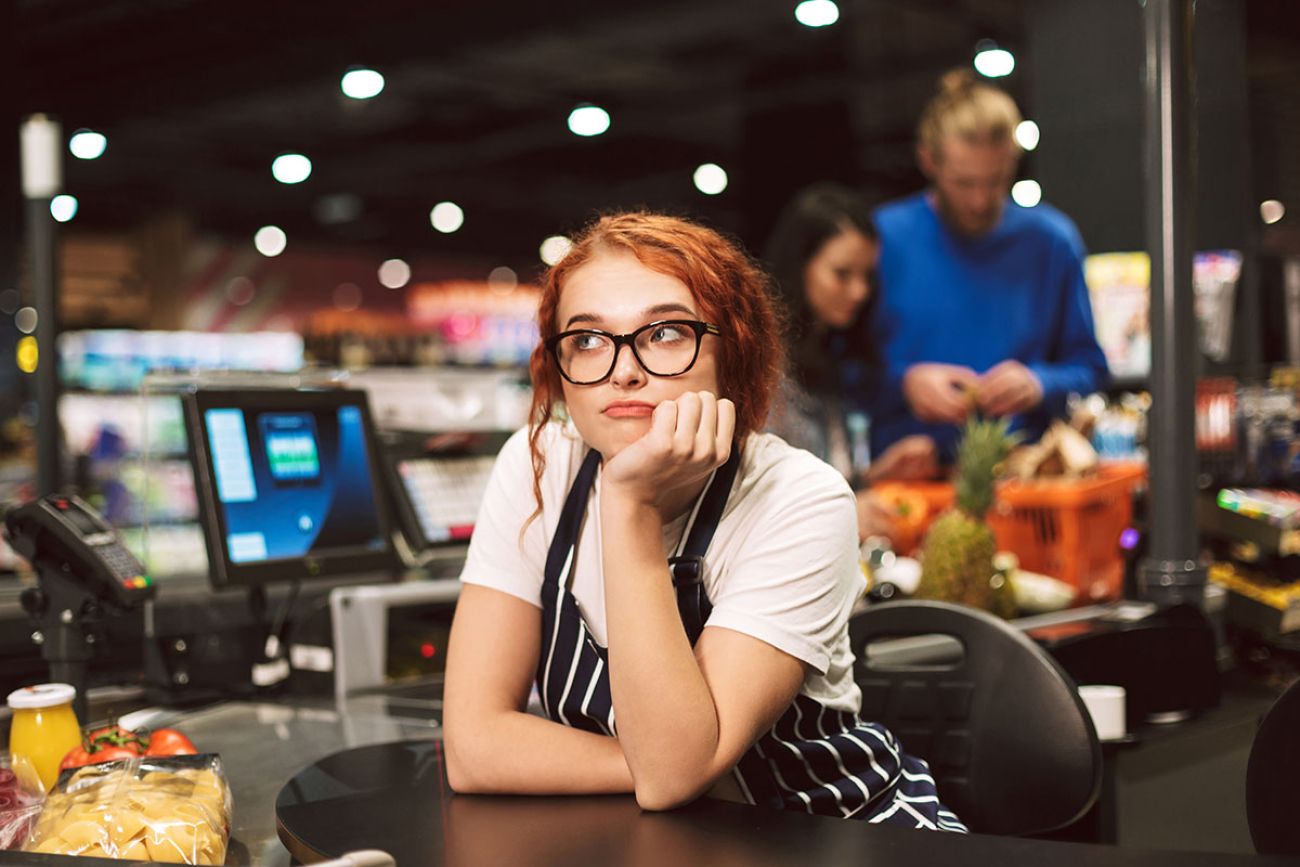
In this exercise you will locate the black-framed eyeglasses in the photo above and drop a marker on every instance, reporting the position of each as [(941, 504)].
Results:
[(669, 347)]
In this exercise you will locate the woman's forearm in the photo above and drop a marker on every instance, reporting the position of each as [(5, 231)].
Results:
[(667, 723), (518, 753)]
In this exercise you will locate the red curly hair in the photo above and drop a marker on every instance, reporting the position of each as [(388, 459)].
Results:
[(732, 291)]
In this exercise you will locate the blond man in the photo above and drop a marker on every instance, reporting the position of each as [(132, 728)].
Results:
[(983, 306)]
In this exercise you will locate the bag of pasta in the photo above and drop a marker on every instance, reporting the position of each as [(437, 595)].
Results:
[(174, 809)]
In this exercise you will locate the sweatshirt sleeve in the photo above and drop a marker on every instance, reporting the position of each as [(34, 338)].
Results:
[(1077, 364)]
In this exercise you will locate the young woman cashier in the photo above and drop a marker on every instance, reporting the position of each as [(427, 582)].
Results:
[(677, 584)]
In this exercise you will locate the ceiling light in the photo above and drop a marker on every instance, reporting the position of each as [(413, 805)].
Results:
[(25, 319), (240, 291), (362, 83), (1027, 134), (394, 274), (270, 241), (63, 207), (817, 13), (291, 168), (347, 297), (503, 279), (588, 120), (1026, 193), (554, 249), (447, 217), (1271, 210), (993, 62), (710, 179), (87, 144), (337, 208)]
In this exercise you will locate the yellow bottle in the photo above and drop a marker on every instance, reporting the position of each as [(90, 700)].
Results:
[(44, 729)]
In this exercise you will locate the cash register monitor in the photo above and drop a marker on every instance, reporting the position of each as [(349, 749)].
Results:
[(287, 485), (438, 484)]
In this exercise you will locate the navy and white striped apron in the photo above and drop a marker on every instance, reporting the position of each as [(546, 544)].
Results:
[(814, 759)]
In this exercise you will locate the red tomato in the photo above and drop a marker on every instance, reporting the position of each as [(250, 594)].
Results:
[(169, 742), (76, 757), (115, 736), (112, 754), (79, 756)]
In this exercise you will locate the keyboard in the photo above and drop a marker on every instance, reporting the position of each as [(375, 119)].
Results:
[(445, 493)]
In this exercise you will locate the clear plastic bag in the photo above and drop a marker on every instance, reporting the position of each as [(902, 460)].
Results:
[(20, 804), (174, 809)]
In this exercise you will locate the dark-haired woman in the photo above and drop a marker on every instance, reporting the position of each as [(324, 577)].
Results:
[(823, 255), (676, 583)]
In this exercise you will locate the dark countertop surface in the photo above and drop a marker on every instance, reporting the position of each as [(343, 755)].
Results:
[(393, 797), (368, 774)]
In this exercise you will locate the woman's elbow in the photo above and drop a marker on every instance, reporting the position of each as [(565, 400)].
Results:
[(667, 795), (459, 759)]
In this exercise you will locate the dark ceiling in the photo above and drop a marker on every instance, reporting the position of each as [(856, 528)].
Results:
[(197, 98)]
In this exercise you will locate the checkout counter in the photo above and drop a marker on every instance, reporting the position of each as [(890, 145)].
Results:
[(355, 762), (317, 780)]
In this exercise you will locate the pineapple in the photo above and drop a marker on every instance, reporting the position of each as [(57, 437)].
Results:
[(957, 555)]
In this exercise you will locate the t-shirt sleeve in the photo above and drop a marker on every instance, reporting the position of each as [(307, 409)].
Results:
[(797, 576), (499, 557)]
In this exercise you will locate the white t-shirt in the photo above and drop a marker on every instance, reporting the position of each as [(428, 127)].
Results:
[(782, 566)]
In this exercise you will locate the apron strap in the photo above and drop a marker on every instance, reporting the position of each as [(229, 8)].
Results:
[(688, 567), (566, 531)]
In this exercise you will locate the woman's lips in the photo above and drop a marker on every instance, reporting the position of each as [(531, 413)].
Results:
[(629, 409)]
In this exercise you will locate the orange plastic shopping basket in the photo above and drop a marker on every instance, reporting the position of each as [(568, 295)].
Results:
[(1070, 528)]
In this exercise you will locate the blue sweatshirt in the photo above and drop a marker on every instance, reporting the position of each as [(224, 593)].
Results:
[(1016, 292)]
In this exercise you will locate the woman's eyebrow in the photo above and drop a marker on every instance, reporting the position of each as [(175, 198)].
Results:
[(656, 310)]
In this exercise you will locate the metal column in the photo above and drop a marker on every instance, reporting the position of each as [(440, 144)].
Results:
[(1172, 572), (42, 178)]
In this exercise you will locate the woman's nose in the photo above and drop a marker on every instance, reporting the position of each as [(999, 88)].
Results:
[(859, 289), (627, 370)]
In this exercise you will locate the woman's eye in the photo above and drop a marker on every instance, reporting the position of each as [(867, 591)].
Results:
[(587, 342), (667, 334)]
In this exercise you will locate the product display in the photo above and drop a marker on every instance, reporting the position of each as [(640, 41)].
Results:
[(174, 810)]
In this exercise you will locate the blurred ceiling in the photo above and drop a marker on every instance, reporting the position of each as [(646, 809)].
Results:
[(197, 98)]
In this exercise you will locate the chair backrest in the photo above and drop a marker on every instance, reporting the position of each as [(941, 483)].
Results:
[(1011, 745), (1272, 775)]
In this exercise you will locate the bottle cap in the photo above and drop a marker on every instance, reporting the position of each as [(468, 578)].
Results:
[(42, 695)]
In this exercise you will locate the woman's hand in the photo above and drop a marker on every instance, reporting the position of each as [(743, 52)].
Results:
[(689, 437), (913, 458), (875, 518)]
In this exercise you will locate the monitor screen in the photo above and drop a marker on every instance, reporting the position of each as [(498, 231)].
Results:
[(287, 485)]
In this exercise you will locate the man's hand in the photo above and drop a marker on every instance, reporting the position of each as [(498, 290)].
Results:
[(688, 438), (939, 392), (913, 458), (1007, 389)]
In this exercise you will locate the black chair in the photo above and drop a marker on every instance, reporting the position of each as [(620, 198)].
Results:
[(1271, 777), (1011, 745)]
